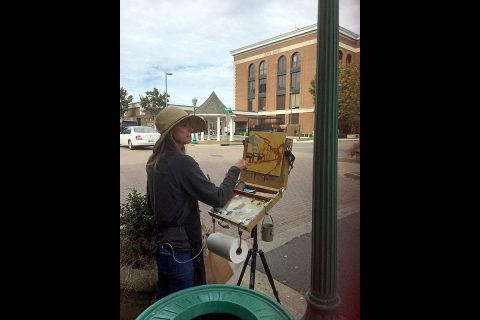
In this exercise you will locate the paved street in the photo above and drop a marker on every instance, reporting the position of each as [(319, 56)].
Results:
[(288, 255)]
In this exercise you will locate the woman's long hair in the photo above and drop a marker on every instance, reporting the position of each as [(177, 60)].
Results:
[(159, 150)]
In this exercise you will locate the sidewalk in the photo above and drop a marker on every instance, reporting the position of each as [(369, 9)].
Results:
[(290, 266), (292, 300)]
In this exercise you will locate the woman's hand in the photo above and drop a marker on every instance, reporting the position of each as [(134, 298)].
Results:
[(241, 164)]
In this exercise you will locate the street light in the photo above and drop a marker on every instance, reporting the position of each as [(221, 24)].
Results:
[(292, 131), (166, 91), (194, 140)]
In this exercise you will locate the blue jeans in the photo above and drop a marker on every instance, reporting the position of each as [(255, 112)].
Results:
[(173, 276)]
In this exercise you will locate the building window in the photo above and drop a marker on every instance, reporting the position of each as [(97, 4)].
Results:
[(281, 102), (262, 89), (282, 65), (251, 82), (250, 104), (340, 55), (263, 70), (251, 72), (294, 100), (261, 95), (296, 61), (262, 86), (294, 118), (349, 59), (295, 80), (251, 89), (261, 104), (281, 82)]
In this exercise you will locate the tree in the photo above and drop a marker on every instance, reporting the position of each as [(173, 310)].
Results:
[(348, 98), (312, 89), (154, 102), (124, 101)]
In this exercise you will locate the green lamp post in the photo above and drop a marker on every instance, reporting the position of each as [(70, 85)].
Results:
[(322, 298), (194, 140)]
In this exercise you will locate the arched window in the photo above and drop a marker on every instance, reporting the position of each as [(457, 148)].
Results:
[(349, 59), (295, 73), (296, 61), (340, 55), (281, 82), (263, 69), (251, 86), (262, 86)]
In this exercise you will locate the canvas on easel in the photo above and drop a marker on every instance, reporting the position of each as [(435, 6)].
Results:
[(262, 183), (265, 152)]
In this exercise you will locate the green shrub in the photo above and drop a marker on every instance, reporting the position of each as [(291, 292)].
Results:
[(136, 226)]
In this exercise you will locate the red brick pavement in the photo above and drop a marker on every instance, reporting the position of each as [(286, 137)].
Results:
[(295, 208)]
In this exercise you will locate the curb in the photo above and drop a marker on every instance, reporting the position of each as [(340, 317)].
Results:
[(354, 175), (239, 142)]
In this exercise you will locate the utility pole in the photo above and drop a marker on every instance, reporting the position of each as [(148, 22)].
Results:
[(194, 102), (166, 91)]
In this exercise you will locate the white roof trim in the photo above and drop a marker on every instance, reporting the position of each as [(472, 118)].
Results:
[(211, 114), (274, 112), (292, 34)]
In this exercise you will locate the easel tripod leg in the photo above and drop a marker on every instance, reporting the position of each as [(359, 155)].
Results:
[(269, 275), (249, 254), (252, 253), (254, 258)]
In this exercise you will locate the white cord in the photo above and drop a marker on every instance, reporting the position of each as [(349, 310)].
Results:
[(173, 253)]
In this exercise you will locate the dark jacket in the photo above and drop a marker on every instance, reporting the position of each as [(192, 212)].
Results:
[(173, 189)]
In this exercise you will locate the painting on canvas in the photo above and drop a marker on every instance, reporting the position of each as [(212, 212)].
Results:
[(265, 152)]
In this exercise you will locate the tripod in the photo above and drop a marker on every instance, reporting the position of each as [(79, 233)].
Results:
[(252, 252)]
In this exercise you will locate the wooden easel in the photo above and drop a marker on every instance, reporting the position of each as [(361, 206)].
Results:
[(268, 189)]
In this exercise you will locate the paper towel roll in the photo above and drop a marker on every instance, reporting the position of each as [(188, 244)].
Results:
[(226, 246)]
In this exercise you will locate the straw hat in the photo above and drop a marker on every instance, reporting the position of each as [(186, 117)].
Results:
[(171, 116)]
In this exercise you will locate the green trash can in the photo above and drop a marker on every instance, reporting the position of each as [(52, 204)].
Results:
[(245, 303)]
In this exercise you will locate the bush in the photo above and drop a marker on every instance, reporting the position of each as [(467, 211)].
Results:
[(136, 227)]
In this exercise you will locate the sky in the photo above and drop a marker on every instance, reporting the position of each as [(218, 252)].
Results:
[(192, 39)]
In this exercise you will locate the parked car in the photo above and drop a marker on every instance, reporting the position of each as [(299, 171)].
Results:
[(138, 136), (127, 123)]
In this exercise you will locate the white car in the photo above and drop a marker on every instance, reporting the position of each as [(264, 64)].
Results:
[(138, 136)]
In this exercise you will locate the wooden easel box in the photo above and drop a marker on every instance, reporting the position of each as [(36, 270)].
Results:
[(268, 188)]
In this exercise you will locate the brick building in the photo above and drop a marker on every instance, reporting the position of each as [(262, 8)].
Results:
[(272, 79)]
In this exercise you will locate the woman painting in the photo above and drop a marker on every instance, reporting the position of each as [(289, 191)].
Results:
[(175, 184)]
